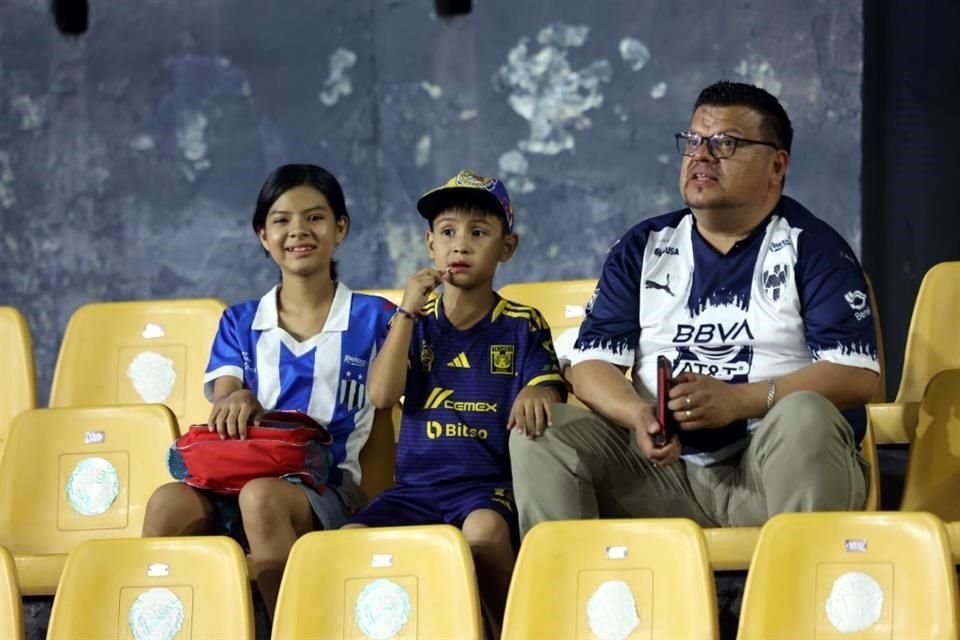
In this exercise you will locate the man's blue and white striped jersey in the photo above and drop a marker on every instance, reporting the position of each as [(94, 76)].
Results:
[(790, 294), (324, 376)]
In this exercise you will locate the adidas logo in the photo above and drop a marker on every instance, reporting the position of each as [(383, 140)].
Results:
[(460, 362)]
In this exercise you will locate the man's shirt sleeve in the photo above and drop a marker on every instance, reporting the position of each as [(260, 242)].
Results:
[(611, 328), (837, 314)]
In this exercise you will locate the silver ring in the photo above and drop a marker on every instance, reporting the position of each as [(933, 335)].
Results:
[(688, 402), (688, 414)]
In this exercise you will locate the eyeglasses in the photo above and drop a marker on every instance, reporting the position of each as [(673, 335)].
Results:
[(720, 145)]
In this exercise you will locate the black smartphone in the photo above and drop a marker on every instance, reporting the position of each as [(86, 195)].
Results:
[(664, 415)]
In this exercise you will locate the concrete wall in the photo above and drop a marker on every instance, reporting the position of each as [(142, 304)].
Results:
[(130, 157)]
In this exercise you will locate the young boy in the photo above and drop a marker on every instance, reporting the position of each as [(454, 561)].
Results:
[(471, 366)]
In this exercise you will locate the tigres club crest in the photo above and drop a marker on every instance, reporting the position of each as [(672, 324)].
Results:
[(471, 179), (426, 356), (501, 359)]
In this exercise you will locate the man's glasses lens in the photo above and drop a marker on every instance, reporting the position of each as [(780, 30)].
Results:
[(720, 146)]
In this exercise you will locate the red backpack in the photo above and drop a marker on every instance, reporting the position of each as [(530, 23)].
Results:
[(287, 444)]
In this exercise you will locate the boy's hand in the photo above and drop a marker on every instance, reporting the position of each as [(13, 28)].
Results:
[(419, 287), (530, 413), (231, 414)]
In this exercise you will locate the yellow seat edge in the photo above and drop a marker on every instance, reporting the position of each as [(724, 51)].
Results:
[(39, 575), (893, 422), (731, 548)]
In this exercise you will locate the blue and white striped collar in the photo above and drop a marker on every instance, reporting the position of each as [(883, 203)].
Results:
[(338, 319)]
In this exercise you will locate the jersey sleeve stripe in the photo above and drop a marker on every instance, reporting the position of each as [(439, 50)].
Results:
[(547, 377)]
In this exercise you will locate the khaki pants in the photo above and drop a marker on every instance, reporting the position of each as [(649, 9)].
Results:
[(802, 457)]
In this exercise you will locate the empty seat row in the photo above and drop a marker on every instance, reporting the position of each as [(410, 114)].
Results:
[(814, 575)]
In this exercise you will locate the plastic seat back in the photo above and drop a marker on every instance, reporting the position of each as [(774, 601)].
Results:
[(932, 347), (17, 375), (154, 588), (11, 609), (403, 582), (932, 344), (393, 295), (379, 454), (69, 475), (933, 468), (138, 352), (562, 303), (612, 579), (858, 576)]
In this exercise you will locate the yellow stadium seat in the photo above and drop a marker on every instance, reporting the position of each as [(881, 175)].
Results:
[(861, 576), (68, 475), (562, 302), (953, 532), (378, 456), (933, 468), (932, 346), (612, 578), (392, 582), (17, 373), (393, 295), (138, 352), (154, 588), (11, 610)]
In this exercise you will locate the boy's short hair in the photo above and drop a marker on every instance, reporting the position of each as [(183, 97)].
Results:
[(472, 192)]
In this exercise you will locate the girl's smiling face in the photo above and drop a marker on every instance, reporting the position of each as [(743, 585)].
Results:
[(301, 232)]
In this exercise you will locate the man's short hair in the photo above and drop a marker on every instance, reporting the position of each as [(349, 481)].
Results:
[(774, 119)]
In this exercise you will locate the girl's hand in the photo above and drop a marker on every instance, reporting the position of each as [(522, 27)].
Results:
[(231, 414)]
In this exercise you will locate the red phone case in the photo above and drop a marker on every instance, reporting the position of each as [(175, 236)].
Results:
[(664, 416)]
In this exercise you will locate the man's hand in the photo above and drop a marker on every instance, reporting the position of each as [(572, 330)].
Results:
[(530, 413), (702, 402), (232, 412), (645, 426)]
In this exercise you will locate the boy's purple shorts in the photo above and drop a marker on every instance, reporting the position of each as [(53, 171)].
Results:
[(447, 504)]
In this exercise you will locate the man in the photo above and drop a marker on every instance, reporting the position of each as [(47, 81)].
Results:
[(761, 309)]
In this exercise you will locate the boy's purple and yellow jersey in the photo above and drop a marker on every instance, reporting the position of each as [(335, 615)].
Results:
[(460, 388)]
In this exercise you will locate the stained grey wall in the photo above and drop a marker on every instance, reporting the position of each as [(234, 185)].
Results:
[(130, 157)]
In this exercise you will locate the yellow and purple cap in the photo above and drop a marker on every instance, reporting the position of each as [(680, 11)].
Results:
[(468, 187)]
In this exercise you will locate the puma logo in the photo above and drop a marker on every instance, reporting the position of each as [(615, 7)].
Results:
[(650, 284)]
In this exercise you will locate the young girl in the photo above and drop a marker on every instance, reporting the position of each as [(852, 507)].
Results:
[(306, 345)]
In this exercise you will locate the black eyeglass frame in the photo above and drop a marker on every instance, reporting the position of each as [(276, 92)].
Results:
[(684, 139)]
